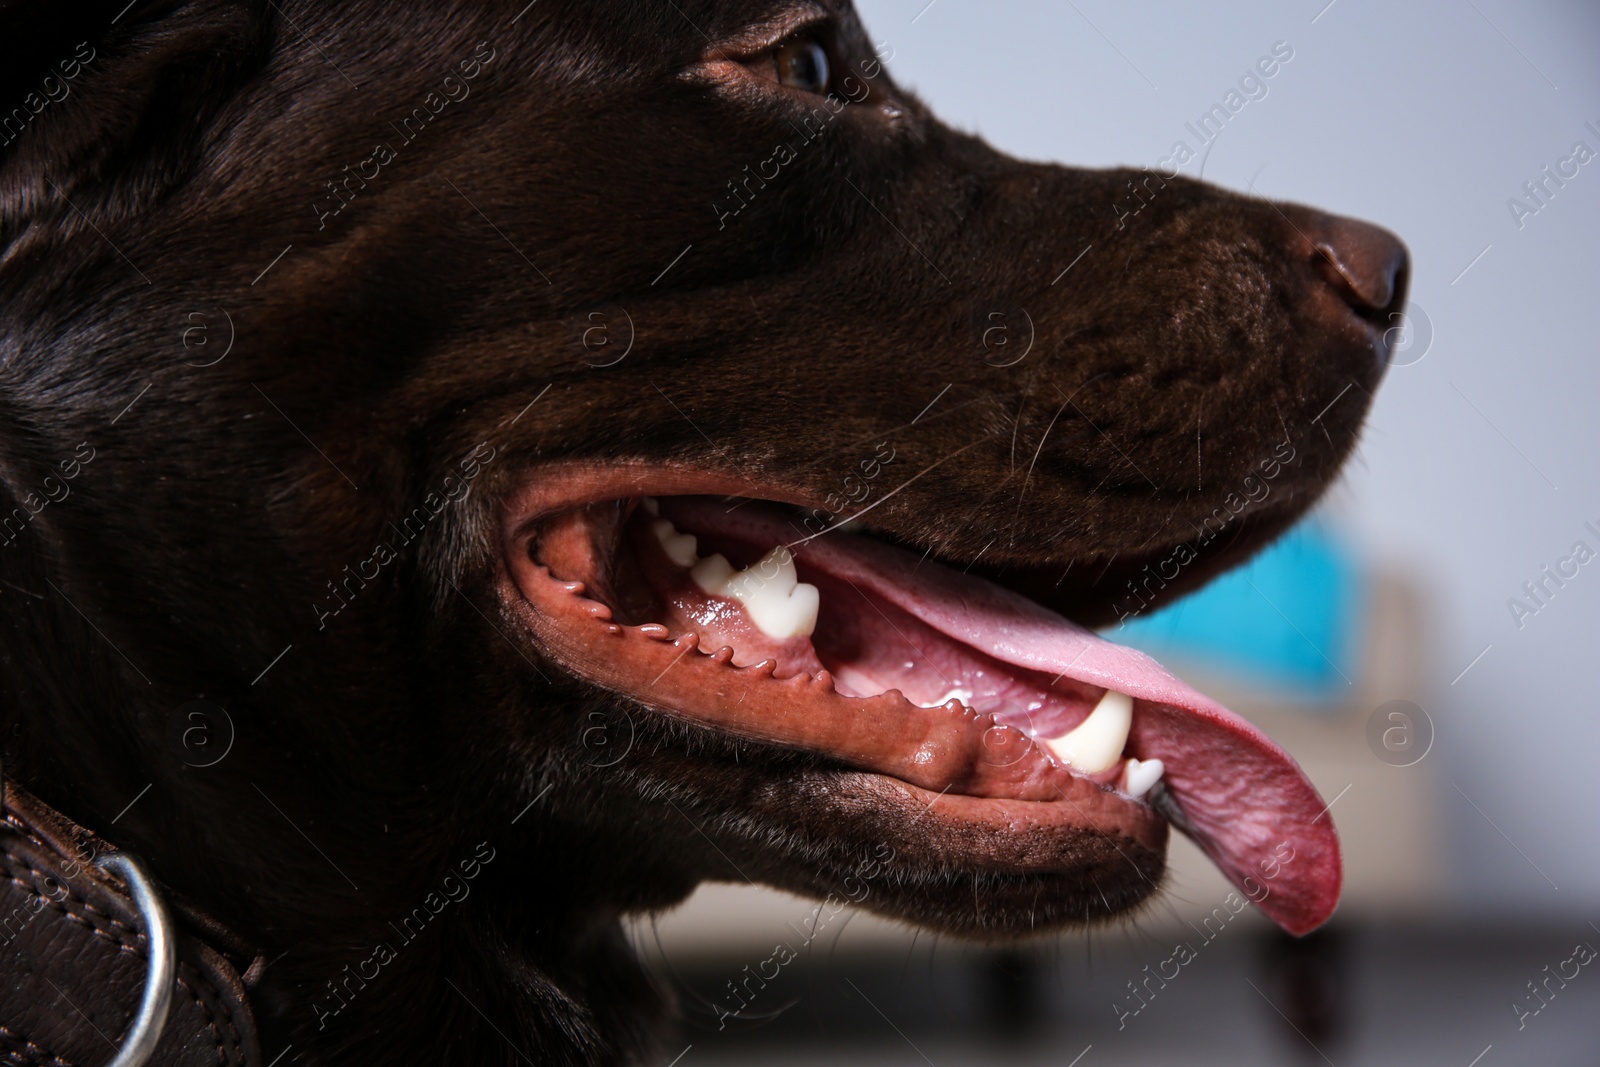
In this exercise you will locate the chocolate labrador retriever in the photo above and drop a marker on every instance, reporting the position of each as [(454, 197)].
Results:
[(472, 471)]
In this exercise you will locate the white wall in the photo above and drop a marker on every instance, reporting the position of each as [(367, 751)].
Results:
[(1425, 118)]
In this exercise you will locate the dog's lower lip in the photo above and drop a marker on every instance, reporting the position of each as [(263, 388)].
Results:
[(970, 761)]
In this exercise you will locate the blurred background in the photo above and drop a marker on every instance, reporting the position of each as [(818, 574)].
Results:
[(1406, 643)]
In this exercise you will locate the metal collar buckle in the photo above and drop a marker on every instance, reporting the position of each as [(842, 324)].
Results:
[(140, 1044), (161, 977)]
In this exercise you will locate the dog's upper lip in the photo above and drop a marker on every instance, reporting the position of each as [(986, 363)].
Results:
[(1096, 592), (1241, 796)]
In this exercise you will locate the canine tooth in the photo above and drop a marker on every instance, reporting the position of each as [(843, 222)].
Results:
[(679, 547), (1142, 775), (1096, 743), (650, 506), (770, 590)]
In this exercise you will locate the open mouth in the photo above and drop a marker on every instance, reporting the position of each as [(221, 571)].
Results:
[(734, 613)]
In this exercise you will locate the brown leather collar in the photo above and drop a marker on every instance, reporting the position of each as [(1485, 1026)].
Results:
[(75, 962)]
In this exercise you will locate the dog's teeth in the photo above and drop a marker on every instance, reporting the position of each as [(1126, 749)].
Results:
[(774, 572), (770, 590), (650, 506), (955, 693), (779, 603), (679, 547), (1142, 775), (712, 573), (1097, 742)]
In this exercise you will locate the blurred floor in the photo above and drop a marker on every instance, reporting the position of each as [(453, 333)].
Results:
[(1370, 995)]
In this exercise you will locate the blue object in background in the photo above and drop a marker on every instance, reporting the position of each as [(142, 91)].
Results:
[(1289, 619)]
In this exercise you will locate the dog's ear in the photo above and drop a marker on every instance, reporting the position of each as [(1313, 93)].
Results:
[(112, 89)]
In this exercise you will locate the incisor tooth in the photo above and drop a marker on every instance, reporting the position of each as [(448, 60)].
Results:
[(1142, 775), (1096, 743)]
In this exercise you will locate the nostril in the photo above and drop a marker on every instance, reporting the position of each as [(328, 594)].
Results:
[(1365, 264)]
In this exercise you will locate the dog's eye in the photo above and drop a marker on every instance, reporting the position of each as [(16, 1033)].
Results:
[(802, 64)]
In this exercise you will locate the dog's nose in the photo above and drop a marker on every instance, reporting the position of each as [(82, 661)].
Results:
[(1365, 265)]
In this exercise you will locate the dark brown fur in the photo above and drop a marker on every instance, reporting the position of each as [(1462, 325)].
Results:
[(413, 325)]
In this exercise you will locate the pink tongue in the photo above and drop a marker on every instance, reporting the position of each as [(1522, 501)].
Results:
[(1242, 799)]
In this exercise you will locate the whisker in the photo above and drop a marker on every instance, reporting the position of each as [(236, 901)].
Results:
[(878, 435), (1016, 427), (1036, 452), (793, 544)]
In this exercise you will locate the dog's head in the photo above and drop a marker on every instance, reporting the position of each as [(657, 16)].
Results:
[(391, 380)]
